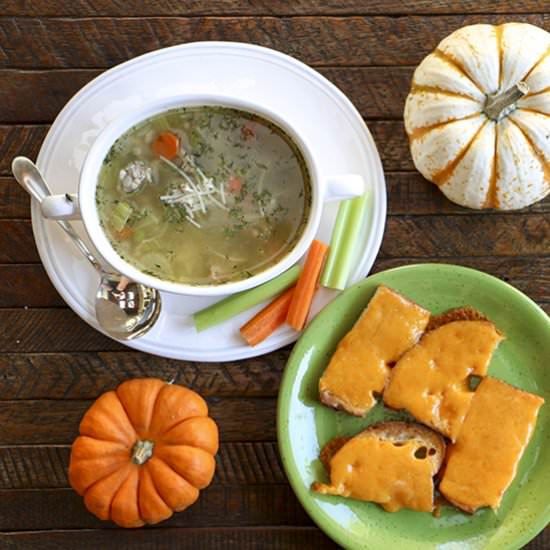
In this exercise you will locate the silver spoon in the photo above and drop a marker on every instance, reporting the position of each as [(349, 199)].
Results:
[(124, 310)]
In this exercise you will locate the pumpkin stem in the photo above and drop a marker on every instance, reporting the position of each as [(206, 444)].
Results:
[(142, 451), (500, 105)]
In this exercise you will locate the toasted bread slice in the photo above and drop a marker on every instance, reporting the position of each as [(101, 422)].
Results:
[(483, 461), (464, 313), (432, 379), (360, 366), (391, 463)]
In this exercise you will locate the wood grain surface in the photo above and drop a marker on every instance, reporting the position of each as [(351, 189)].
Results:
[(53, 365), (137, 8), (92, 42)]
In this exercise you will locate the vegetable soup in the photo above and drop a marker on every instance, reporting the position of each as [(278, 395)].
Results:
[(203, 195)]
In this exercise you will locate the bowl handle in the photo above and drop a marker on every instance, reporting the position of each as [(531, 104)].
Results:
[(346, 186)]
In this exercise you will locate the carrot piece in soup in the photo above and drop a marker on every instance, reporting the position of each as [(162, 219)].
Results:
[(124, 233), (234, 184), (167, 145)]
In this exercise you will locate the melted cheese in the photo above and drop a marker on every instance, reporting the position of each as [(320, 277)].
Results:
[(431, 379), (368, 468), (389, 326), (483, 462)]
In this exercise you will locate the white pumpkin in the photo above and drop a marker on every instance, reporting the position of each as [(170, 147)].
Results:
[(478, 116)]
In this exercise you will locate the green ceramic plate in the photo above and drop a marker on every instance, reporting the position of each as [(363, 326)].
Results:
[(304, 426)]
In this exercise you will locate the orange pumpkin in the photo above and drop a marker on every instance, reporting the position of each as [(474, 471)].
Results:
[(144, 451)]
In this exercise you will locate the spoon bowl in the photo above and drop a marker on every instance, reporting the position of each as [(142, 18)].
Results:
[(124, 310)]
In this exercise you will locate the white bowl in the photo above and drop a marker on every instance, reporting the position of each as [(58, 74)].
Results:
[(83, 206)]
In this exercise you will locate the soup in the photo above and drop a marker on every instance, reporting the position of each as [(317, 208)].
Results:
[(203, 195)]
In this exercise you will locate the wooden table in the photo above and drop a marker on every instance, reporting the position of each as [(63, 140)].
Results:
[(52, 365)]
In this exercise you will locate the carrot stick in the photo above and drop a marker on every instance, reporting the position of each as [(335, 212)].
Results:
[(306, 286), (268, 319), (166, 145)]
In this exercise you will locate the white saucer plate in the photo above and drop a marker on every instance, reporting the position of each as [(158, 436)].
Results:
[(336, 132)]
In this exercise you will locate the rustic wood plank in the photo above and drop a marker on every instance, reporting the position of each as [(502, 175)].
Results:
[(392, 144), (191, 538), (49, 330), (27, 285), (137, 8), (56, 422), (17, 242), (409, 193), (268, 538), (219, 505), (103, 42), (452, 236), (425, 236), (45, 467), (14, 201), (37, 96), (19, 140), (26, 140), (87, 375)]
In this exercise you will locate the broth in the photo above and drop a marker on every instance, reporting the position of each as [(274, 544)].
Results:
[(203, 195)]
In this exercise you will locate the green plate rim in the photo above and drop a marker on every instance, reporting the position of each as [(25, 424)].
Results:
[(283, 400)]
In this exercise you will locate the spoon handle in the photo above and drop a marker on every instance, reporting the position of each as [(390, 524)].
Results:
[(69, 229), (30, 178)]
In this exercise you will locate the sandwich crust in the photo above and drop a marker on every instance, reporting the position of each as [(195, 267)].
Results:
[(391, 463)]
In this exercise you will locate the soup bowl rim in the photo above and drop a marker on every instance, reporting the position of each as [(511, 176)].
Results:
[(89, 177)]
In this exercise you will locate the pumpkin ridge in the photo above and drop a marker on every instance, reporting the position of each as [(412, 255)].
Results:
[(122, 520), (118, 490), (421, 131), (491, 199), (535, 150), (172, 427), (531, 110), (152, 478), (154, 408), (119, 467), (129, 420), (127, 412), (137, 498), (116, 487), (458, 66), (529, 94), (499, 30), (84, 472), (536, 64), (100, 409), (119, 448), (177, 473), (441, 177), (419, 88)]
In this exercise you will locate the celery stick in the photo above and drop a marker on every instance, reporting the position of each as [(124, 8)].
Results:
[(342, 245), (336, 243), (120, 215), (237, 303)]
